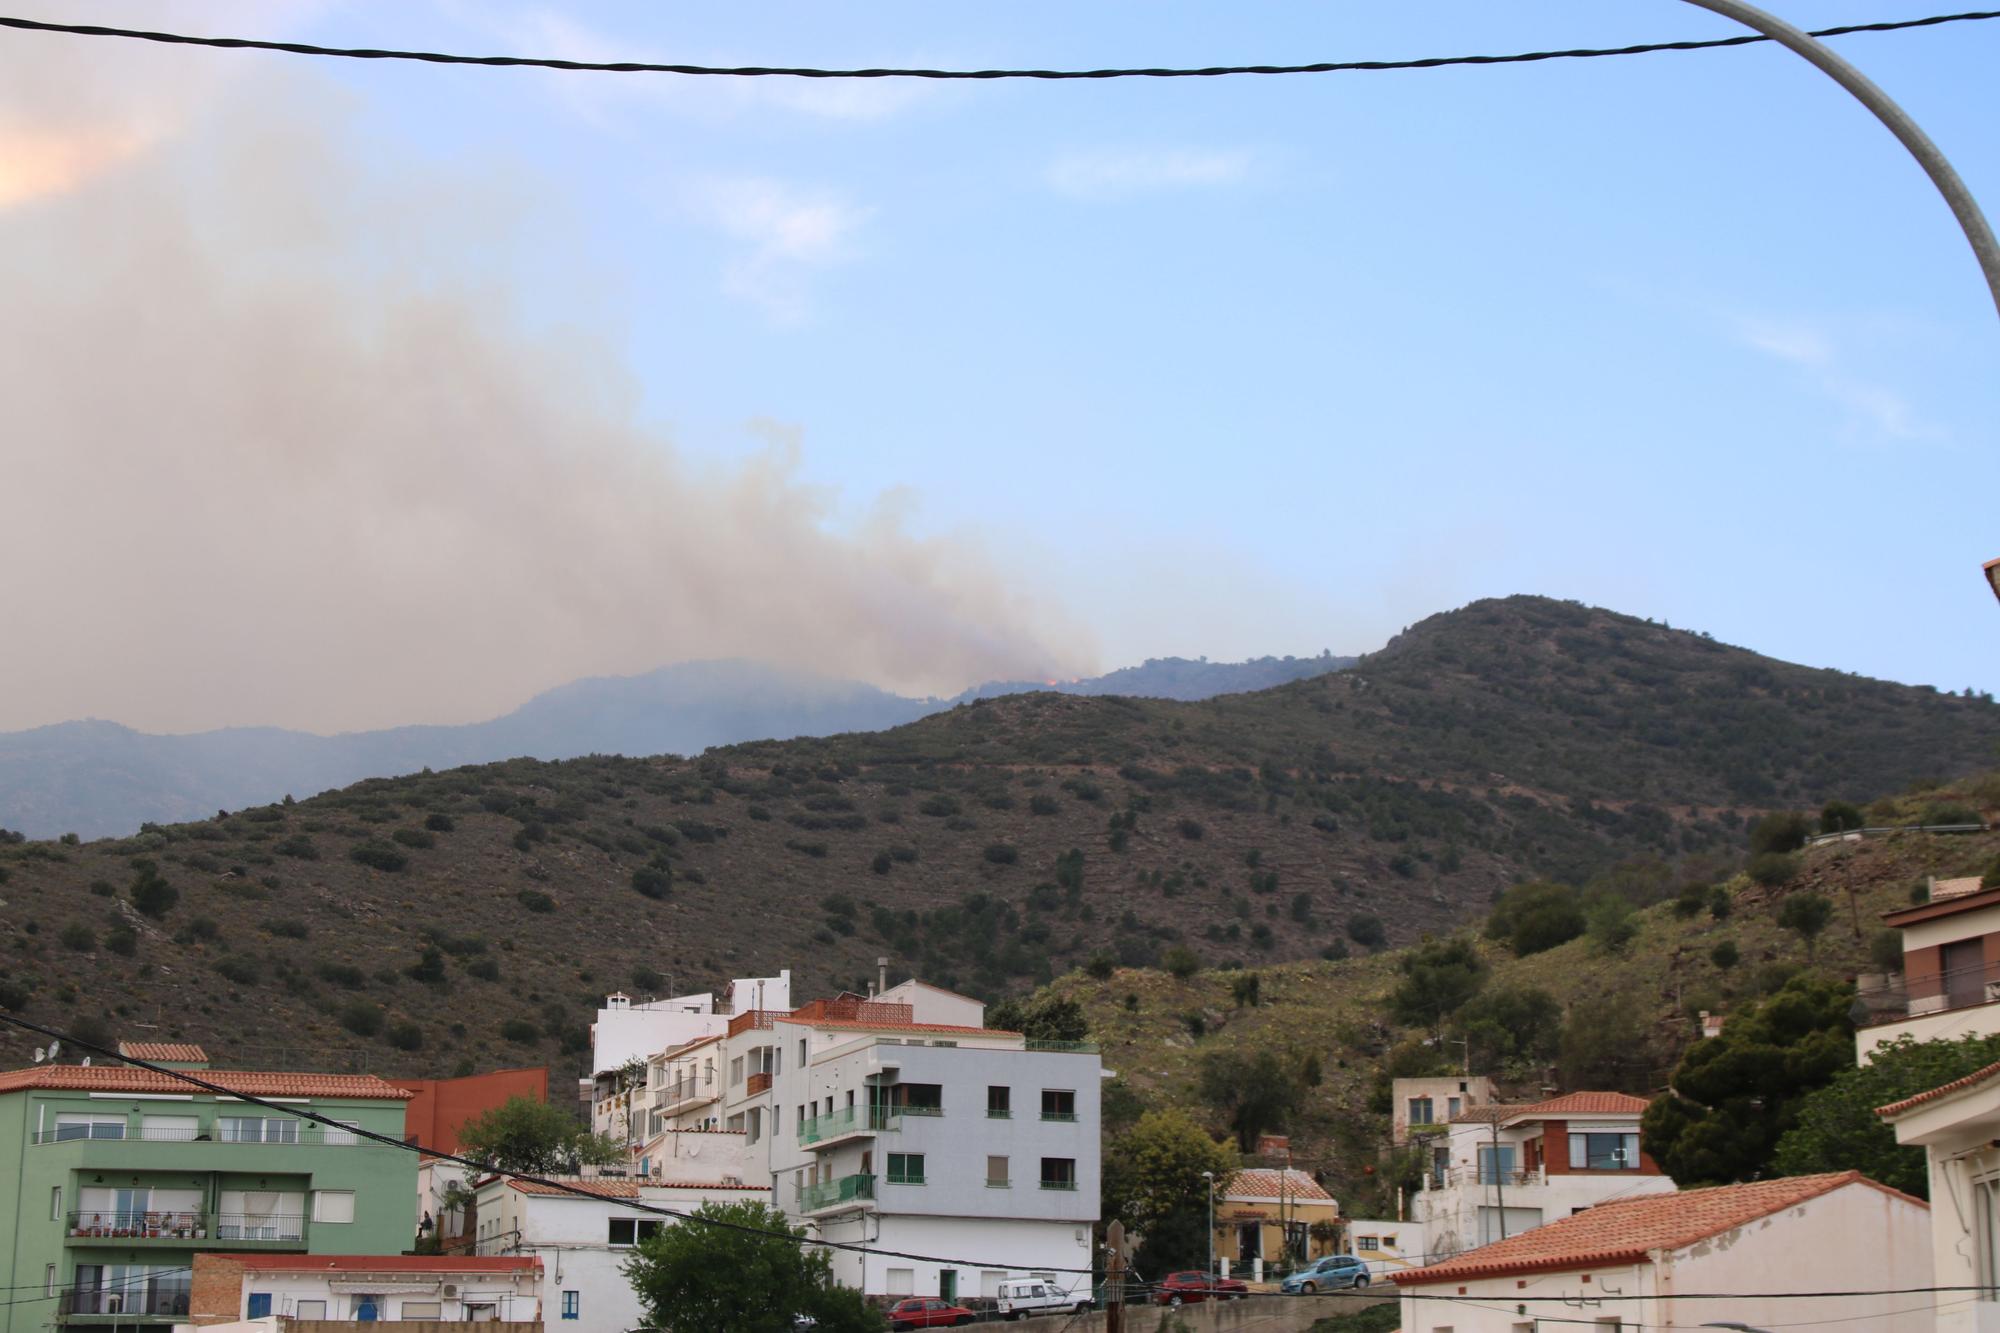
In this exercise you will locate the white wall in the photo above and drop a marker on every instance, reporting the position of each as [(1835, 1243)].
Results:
[(1854, 1238), (516, 1298), (934, 1004), (990, 1247)]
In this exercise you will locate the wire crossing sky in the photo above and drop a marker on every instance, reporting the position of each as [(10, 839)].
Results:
[(805, 72)]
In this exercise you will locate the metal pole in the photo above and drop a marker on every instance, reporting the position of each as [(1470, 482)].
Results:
[(1499, 1191), (1963, 206), (1209, 1176)]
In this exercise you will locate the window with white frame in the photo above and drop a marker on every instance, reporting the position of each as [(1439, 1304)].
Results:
[(572, 1305), (1986, 1234), (1595, 1150), (1367, 1244), (77, 1126), (333, 1206), (309, 1310), (431, 1310)]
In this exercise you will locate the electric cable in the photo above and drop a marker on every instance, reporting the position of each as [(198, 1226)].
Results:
[(813, 72)]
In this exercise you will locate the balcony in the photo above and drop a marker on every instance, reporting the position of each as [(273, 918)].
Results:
[(836, 1125), (1062, 1047), (853, 1189), (290, 1135), (756, 1020), (167, 1229), (93, 1303), (756, 1083)]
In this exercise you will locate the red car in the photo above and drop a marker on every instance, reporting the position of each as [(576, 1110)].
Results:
[(1195, 1285), (933, 1313)]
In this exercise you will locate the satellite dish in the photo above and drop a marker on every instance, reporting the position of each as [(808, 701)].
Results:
[(86, 1062), (40, 1055), (55, 1049)]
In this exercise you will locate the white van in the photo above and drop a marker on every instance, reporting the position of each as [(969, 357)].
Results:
[(1023, 1296)]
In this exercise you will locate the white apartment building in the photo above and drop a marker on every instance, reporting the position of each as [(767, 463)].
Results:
[(625, 1031), (891, 1124), (1504, 1169), (253, 1293), (583, 1243), (1958, 1126)]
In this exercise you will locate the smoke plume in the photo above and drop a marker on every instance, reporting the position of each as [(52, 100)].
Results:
[(277, 446)]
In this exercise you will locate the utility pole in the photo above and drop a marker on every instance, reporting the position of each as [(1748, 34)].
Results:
[(1114, 1278), (1209, 1176), (1499, 1191)]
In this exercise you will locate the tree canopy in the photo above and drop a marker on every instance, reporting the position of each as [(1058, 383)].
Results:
[(1153, 1183), (1836, 1128), (1734, 1096), (1438, 977), (522, 1134), (1040, 1018), (749, 1274), (1536, 916), (1256, 1092)]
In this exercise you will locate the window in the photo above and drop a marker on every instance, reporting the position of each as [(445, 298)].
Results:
[(1367, 1243), (996, 1173), (55, 1203), (999, 1103), (423, 1310), (802, 1052), (1420, 1111), (1986, 1234), (343, 1137), (906, 1168), (1058, 1104), (630, 1230), (1058, 1173), (920, 1098), (169, 1128), (49, 1280), (259, 1306), (309, 1310), (89, 1127), (572, 1306), (1451, 1107), (1603, 1152), (735, 1071), (255, 1129), (1496, 1164), (333, 1206), (901, 1281)]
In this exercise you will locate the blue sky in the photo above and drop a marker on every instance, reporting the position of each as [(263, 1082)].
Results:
[(1274, 365)]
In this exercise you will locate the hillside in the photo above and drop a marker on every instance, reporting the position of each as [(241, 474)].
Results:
[(477, 915), (100, 779)]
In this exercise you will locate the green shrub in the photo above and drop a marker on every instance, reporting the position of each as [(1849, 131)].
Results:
[(1181, 961), (78, 936), (288, 927), (1002, 854), (298, 846), (1885, 950), (439, 823), (520, 1031), (882, 862), (1725, 955), (939, 806), (1772, 869), (377, 856), (1785, 832), (1101, 965), (406, 1036), (1840, 817), (343, 974), (122, 940), (654, 880), (1041, 803), (1367, 931), (535, 900), (361, 1018), (150, 891), (1191, 830), (1720, 904), (414, 837), (486, 969), (242, 971)]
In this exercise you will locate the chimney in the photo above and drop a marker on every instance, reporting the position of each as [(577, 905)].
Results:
[(881, 973)]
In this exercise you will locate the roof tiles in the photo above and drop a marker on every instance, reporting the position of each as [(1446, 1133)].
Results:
[(118, 1078), (1972, 1080), (183, 1052), (1271, 1184), (1627, 1230), (385, 1263)]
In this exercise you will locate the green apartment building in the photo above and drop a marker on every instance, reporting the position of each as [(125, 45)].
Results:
[(112, 1178)]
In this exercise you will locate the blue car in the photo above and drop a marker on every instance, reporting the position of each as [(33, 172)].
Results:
[(1333, 1273)]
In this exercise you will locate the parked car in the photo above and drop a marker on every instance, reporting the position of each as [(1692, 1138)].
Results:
[(931, 1313), (1332, 1273), (1022, 1296), (1192, 1286)]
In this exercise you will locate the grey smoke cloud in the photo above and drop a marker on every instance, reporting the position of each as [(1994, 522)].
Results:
[(275, 447)]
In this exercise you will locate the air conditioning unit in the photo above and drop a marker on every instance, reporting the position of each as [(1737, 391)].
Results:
[(451, 1289)]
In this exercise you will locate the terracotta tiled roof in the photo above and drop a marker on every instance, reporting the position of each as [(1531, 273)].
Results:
[(864, 1025), (1972, 1080), (1578, 1103), (1625, 1231), (183, 1052), (118, 1078), (603, 1189), (384, 1263), (1480, 1115), (1266, 1184)]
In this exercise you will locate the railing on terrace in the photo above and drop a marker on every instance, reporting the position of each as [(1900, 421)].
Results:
[(1459, 1176), (1058, 1184), (1938, 993), (133, 1302), (111, 1224), (847, 1189), (756, 1020), (288, 1134), (853, 1119), (1874, 831), (756, 1083), (253, 1226), (1066, 1047)]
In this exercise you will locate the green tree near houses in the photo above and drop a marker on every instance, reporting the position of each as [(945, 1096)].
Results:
[(1735, 1096), (738, 1268), (525, 1135), (1153, 1183), (1836, 1128)]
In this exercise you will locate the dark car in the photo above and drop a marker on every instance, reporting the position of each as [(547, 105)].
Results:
[(1195, 1285), (927, 1313)]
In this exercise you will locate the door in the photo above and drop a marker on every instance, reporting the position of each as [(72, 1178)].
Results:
[(948, 1284), (1249, 1242), (1964, 964)]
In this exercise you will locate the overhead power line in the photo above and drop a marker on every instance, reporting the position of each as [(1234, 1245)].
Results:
[(813, 72)]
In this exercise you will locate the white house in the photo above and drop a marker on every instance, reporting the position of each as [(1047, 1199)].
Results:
[(1387, 1247), (1621, 1265), (232, 1289), (934, 1137), (1951, 969), (1958, 1126), (583, 1242), (1506, 1168), (1422, 1103), (626, 1031)]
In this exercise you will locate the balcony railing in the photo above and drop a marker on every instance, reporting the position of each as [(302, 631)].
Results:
[(1063, 1047), (152, 1226), (852, 1120), (1059, 1184), (756, 1083), (827, 1194), (756, 1020), (1938, 993), (310, 1136), (136, 1302), (1069, 1116), (1458, 1177)]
